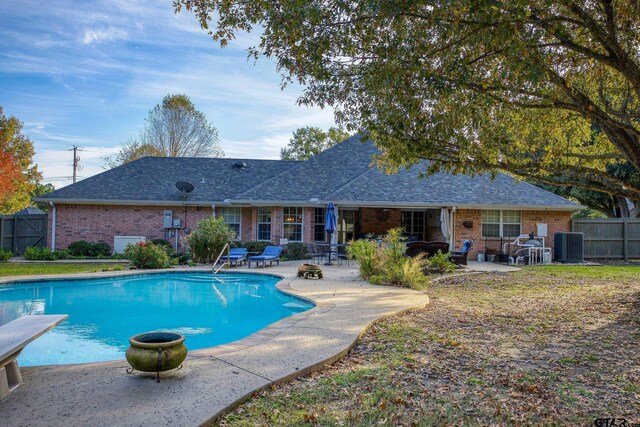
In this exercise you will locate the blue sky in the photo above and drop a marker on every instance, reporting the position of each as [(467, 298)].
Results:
[(87, 73)]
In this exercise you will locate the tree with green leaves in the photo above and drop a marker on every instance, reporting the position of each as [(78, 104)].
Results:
[(18, 174), (130, 151), (41, 190), (610, 205), (174, 128), (309, 141), (511, 86)]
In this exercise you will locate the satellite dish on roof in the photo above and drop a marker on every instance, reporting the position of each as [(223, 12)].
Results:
[(185, 188)]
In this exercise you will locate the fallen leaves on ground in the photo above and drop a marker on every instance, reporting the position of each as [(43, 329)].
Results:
[(545, 346)]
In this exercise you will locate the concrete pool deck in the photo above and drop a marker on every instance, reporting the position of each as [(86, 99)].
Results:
[(212, 380)]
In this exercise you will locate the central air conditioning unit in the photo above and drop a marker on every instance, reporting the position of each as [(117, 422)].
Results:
[(569, 247), (120, 242)]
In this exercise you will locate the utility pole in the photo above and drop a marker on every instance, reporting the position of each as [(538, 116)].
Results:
[(76, 161)]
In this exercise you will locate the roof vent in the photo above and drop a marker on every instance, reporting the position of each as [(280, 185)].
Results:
[(239, 165)]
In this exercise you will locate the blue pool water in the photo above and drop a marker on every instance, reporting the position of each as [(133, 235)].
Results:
[(104, 313)]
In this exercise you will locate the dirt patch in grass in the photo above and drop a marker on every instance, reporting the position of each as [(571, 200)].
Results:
[(555, 345)]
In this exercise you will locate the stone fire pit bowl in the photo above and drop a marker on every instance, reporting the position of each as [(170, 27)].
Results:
[(156, 352), (310, 270)]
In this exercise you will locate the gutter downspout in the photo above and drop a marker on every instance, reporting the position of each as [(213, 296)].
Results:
[(452, 221), (213, 210), (53, 226)]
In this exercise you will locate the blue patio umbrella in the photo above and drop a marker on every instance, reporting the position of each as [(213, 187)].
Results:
[(330, 220), (331, 224)]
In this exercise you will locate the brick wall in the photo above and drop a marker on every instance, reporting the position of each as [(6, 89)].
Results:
[(276, 224), (370, 224), (248, 224), (97, 223), (100, 223), (307, 224), (555, 220)]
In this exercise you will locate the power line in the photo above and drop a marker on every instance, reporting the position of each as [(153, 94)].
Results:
[(76, 161)]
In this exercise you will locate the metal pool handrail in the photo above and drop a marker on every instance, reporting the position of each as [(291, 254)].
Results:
[(214, 270)]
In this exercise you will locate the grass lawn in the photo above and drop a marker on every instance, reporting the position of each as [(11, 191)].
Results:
[(32, 269), (548, 345)]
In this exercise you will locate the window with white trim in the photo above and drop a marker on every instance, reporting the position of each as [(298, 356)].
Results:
[(264, 223), (233, 218), (496, 223), (292, 223)]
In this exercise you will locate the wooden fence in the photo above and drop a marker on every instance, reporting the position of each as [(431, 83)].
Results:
[(616, 238), (20, 232)]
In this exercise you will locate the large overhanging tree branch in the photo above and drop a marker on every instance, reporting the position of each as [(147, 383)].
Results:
[(514, 86)]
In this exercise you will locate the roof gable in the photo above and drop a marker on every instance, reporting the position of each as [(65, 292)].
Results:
[(318, 176)]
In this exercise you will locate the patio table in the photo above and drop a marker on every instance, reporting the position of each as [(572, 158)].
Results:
[(329, 249)]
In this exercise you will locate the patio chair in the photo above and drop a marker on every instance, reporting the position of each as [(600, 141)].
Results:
[(343, 256), (316, 252), (236, 257), (270, 253), (460, 257)]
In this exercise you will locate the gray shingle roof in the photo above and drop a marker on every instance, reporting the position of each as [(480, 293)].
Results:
[(444, 189), (343, 174), (153, 179), (319, 176)]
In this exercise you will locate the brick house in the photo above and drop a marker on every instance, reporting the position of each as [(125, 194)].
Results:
[(275, 199)]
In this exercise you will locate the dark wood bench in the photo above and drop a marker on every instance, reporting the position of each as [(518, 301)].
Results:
[(14, 337)]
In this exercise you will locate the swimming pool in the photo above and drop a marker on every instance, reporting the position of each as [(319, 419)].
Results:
[(104, 313)]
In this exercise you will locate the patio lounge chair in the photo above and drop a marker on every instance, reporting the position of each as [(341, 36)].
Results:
[(236, 256), (460, 257), (270, 253)]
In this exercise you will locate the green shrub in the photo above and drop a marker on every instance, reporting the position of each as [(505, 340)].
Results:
[(38, 254), (79, 248), (146, 255), (407, 273), (365, 251), (82, 248), (295, 251), (255, 246), (166, 245), (101, 249), (44, 254), (386, 264), (5, 255), (208, 239), (394, 247), (183, 259), (440, 263), (161, 242)]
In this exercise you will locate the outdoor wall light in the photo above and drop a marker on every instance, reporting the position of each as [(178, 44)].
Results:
[(382, 214), (467, 224)]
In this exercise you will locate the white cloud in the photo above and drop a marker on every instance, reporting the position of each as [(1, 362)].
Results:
[(108, 34), (102, 65)]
